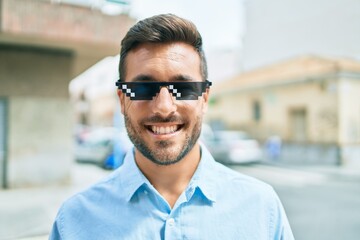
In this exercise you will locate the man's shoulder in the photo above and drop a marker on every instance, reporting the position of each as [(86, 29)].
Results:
[(99, 194), (226, 178), (237, 181), (82, 213)]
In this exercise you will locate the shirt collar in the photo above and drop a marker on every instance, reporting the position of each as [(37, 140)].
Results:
[(132, 177), (203, 179)]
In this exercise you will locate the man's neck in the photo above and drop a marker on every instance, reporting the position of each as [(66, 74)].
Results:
[(170, 180)]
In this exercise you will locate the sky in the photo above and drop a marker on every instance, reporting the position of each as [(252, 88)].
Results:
[(219, 22)]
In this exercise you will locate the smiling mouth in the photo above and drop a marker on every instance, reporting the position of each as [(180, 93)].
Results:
[(162, 130)]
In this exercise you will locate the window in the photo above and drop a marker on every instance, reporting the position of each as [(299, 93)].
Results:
[(256, 111)]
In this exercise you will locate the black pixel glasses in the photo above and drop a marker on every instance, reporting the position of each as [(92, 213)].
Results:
[(148, 90)]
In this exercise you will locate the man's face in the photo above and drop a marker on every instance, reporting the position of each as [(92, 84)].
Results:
[(163, 129)]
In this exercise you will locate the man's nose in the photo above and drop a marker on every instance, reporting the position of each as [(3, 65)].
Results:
[(164, 103)]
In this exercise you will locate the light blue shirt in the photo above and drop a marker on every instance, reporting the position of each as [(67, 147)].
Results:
[(218, 203)]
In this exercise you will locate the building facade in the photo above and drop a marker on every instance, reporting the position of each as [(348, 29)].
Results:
[(43, 45), (312, 103)]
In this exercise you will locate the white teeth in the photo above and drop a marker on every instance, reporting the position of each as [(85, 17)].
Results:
[(164, 130)]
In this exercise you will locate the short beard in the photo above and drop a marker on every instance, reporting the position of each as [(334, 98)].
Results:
[(162, 157)]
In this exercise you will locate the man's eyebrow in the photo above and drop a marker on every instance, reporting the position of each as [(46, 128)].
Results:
[(176, 78), (143, 78), (181, 78)]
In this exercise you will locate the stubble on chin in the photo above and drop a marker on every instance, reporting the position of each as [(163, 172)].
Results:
[(163, 152)]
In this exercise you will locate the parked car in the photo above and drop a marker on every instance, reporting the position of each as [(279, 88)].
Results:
[(105, 147), (231, 147)]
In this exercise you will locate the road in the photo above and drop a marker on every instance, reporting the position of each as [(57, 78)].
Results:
[(322, 203)]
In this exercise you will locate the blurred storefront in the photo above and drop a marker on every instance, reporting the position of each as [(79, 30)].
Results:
[(43, 45), (312, 103)]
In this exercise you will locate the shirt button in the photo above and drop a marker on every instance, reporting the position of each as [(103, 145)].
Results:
[(171, 222), (146, 192)]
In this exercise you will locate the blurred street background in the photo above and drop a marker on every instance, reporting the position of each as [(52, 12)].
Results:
[(284, 106)]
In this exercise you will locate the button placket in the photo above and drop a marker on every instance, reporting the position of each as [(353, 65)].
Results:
[(171, 222)]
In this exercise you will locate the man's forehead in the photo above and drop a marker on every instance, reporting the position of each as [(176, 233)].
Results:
[(172, 50), (163, 58)]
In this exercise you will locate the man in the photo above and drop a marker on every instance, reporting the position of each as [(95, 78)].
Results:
[(169, 186)]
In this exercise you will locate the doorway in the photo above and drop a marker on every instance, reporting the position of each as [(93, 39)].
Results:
[(298, 125)]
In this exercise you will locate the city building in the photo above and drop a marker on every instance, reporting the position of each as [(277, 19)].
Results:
[(312, 103), (44, 44)]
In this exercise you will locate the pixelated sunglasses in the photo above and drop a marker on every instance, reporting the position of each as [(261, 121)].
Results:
[(148, 90)]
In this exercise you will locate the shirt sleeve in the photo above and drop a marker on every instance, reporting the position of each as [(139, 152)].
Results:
[(55, 233), (282, 229)]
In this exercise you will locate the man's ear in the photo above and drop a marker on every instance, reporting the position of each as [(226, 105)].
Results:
[(122, 100), (206, 96)]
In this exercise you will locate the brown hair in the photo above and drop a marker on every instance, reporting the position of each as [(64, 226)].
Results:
[(162, 28)]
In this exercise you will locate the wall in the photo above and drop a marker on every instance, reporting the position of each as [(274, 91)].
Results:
[(35, 82), (40, 141), (319, 98), (34, 71), (88, 33), (310, 153), (52, 20), (349, 108), (349, 119)]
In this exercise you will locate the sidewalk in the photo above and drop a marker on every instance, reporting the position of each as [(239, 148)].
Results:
[(332, 171), (29, 213), (343, 172)]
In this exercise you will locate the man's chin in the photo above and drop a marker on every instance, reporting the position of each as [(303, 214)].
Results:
[(163, 145), (165, 155)]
